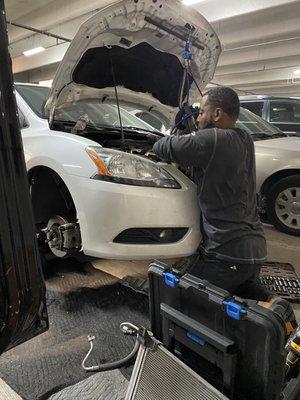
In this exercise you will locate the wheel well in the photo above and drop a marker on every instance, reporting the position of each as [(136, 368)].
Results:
[(272, 179), (49, 195)]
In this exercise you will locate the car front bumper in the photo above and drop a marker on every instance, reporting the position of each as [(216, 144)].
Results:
[(107, 209)]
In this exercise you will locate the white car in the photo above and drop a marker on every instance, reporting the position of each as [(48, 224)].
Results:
[(96, 188)]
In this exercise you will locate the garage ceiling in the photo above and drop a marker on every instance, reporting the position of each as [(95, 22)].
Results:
[(260, 40)]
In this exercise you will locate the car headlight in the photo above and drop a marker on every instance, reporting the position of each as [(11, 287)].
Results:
[(120, 167)]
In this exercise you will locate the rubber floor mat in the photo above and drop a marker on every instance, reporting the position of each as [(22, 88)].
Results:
[(52, 361), (109, 385)]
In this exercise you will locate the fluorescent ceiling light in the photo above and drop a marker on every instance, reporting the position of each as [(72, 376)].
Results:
[(190, 2), (48, 82), (297, 72), (31, 52)]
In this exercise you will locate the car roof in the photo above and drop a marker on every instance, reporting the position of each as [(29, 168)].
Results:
[(266, 97)]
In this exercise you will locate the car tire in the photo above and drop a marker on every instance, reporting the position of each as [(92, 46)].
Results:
[(283, 205)]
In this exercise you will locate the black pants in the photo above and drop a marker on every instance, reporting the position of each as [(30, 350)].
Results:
[(238, 279)]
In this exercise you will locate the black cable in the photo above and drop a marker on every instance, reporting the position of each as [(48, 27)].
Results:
[(115, 364), (97, 368)]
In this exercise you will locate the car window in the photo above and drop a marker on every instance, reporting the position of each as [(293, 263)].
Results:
[(35, 97), (254, 106), (150, 119), (288, 112), (253, 124)]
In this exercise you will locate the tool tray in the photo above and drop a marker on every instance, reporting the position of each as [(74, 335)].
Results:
[(281, 279), (237, 347)]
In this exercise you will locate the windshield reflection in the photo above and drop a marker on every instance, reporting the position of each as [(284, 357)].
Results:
[(98, 114)]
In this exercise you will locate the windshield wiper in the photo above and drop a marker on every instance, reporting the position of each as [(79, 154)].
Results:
[(101, 128), (136, 128), (279, 134), (72, 124)]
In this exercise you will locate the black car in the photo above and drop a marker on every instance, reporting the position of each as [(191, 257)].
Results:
[(283, 112)]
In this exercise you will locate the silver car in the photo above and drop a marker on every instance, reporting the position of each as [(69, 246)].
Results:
[(278, 172)]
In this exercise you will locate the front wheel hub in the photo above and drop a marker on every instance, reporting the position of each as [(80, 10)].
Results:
[(296, 207), (63, 237)]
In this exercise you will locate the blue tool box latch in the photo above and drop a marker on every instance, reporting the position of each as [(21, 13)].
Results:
[(234, 310), (170, 279), (195, 338)]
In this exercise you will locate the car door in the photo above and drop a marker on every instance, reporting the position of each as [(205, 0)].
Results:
[(22, 291), (285, 114)]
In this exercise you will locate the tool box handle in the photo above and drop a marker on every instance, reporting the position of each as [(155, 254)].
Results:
[(212, 346)]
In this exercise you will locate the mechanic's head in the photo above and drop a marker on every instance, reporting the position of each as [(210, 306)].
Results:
[(219, 108)]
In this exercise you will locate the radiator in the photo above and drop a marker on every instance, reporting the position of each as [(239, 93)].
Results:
[(159, 375)]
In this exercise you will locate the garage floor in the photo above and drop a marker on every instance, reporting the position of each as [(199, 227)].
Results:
[(84, 300), (284, 248)]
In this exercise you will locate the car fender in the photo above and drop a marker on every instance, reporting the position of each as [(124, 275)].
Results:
[(65, 155), (64, 152), (268, 165)]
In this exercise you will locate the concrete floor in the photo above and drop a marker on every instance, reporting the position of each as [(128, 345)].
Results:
[(284, 248)]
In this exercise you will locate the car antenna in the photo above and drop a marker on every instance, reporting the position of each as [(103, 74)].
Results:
[(117, 98)]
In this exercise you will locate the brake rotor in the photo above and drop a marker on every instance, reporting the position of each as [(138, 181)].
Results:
[(54, 236)]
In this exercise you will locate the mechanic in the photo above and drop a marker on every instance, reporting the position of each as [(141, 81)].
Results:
[(233, 247)]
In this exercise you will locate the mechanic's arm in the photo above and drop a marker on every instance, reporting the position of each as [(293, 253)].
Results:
[(193, 150)]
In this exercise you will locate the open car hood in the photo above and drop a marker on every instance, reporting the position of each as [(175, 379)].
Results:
[(136, 45)]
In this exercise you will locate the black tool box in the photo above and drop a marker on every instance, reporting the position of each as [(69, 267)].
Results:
[(237, 347)]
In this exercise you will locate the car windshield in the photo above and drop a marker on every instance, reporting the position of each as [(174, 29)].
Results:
[(100, 115), (255, 125), (95, 112)]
